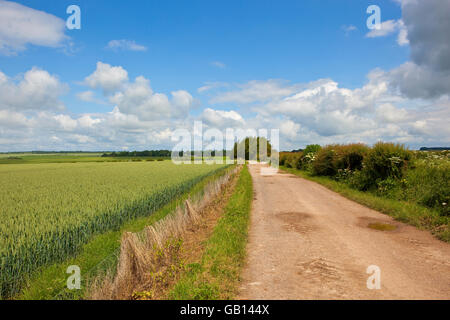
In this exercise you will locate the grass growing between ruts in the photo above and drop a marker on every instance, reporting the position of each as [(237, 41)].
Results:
[(411, 213), (216, 275), (98, 255)]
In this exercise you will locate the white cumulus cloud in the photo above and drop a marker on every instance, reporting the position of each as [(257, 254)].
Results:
[(21, 25), (107, 78), (36, 90), (222, 119), (389, 27)]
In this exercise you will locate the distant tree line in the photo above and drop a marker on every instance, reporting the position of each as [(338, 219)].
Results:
[(435, 149), (146, 153), (154, 153)]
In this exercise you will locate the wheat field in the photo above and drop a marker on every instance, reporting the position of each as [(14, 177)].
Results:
[(48, 211)]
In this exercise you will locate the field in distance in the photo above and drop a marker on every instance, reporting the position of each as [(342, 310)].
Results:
[(49, 210), (29, 158)]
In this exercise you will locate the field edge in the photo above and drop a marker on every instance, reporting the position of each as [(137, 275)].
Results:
[(217, 274)]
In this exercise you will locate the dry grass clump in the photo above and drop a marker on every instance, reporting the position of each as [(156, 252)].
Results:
[(150, 260)]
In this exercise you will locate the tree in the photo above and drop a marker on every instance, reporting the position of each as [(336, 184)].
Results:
[(252, 153), (312, 148)]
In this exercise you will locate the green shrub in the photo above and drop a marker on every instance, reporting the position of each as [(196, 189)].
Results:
[(312, 148), (339, 160), (388, 187), (350, 156), (283, 157), (429, 184), (287, 161), (386, 160), (359, 180), (343, 175), (324, 163), (297, 160), (292, 160), (309, 155), (306, 161)]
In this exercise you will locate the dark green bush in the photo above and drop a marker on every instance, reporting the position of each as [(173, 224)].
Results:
[(283, 157), (312, 148), (324, 163), (350, 156), (298, 161), (429, 184), (339, 160), (308, 156), (386, 160), (293, 159), (359, 180), (388, 187)]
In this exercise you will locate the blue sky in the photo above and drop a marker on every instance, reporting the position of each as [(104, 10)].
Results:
[(235, 63)]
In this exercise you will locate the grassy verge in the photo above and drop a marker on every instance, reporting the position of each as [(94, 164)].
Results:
[(98, 255), (216, 275), (411, 213)]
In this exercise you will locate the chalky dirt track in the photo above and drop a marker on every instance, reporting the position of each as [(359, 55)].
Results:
[(307, 242)]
